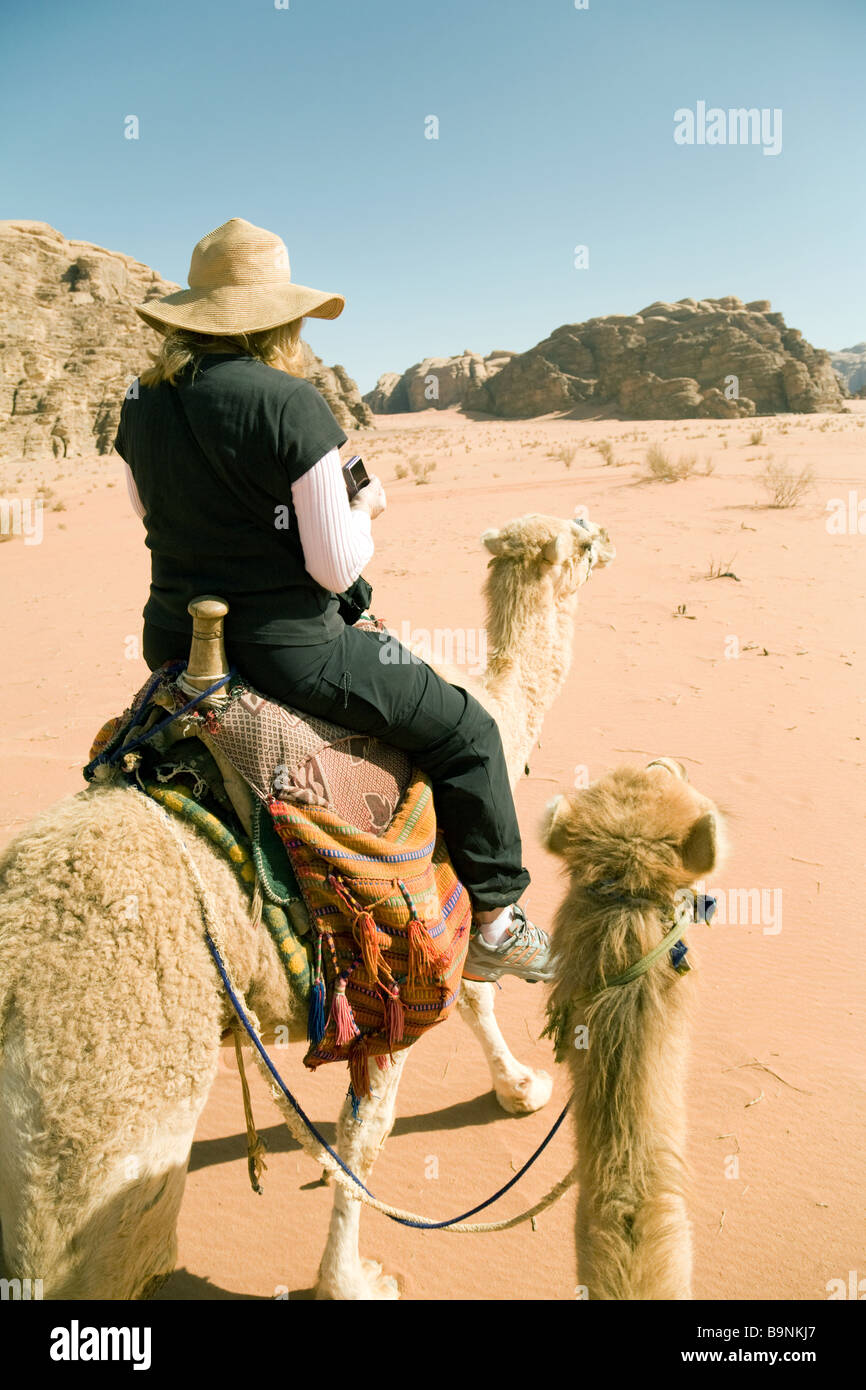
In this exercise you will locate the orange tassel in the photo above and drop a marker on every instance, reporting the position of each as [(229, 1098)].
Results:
[(367, 935), (359, 1068), (395, 1016), (423, 955), (341, 1012)]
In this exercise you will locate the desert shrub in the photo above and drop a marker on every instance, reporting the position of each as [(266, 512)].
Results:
[(665, 470), (784, 487), (756, 437), (605, 448), (421, 469), (401, 470), (720, 569)]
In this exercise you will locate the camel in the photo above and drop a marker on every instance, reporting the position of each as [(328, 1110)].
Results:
[(632, 843), (111, 1011)]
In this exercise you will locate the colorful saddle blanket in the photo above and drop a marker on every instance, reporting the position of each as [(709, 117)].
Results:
[(384, 922)]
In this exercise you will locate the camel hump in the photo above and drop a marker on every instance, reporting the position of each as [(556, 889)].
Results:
[(207, 654)]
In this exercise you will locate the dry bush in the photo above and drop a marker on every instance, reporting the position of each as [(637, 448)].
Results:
[(665, 470), (720, 569), (756, 437), (785, 488), (421, 469), (401, 470), (565, 453), (605, 448)]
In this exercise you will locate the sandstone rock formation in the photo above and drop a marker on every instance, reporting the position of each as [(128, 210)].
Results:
[(711, 357), (436, 383), (339, 390), (850, 364), (70, 344)]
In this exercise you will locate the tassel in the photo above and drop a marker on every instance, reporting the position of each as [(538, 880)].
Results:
[(367, 935), (356, 1103), (423, 956), (316, 1022), (316, 1019), (255, 1144), (383, 1062), (359, 1068), (341, 1013), (395, 1016)]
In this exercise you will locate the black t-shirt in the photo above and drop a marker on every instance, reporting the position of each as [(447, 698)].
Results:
[(214, 459)]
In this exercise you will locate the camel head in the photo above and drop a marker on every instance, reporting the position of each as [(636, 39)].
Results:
[(547, 549), (643, 833)]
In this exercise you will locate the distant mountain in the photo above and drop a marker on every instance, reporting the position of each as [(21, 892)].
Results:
[(850, 363), (711, 357), (436, 383), (70, 343)]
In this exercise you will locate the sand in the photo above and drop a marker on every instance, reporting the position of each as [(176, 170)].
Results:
[(773, 734)]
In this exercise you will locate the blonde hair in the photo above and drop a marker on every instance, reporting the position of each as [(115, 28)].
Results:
[(279, 347)]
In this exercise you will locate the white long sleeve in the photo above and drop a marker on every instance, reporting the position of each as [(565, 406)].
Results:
[(133, 493), (336, 538)]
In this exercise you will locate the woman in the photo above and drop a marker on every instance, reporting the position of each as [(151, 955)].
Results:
[(233, 465)]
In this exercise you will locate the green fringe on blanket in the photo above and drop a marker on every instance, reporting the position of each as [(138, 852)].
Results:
[(295, 951)]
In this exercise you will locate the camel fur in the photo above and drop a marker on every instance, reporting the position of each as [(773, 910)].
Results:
[(646, 836), (111, 1010)]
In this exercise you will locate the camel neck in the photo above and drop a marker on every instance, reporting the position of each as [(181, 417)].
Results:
[(528, 669)]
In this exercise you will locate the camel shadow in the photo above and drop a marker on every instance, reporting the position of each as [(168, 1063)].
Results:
[(482, 1110), (185, 1287)]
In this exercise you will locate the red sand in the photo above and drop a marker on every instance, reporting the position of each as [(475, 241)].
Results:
[(774, 736)]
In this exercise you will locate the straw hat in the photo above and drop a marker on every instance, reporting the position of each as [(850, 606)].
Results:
[(239, 282)]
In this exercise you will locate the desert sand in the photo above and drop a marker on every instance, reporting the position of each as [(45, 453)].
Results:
[(751, 682)]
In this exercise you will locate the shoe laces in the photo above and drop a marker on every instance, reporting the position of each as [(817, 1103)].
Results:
[(524, 932)]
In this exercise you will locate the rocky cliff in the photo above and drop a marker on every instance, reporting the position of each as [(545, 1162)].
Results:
[(70, 343), (708, 357), (436, 383), (850, 364)]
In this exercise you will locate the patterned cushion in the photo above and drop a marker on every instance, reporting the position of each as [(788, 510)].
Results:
[(304, 760)]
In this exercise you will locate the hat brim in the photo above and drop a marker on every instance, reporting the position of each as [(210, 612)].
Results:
[(239, 308)]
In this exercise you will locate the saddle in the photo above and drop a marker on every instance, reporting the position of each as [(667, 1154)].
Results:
[(333, 832)]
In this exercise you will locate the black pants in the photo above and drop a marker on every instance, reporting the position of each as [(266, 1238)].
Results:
[(356, 681)]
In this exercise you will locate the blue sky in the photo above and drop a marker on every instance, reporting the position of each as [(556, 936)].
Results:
[(555, 129)]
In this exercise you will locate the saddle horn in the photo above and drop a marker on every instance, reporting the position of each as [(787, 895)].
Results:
[(207, 654)]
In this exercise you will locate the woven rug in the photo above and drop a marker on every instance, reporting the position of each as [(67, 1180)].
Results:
[(392, 920), (388, 919)]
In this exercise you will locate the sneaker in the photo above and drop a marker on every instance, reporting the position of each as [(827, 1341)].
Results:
[(524, 951)]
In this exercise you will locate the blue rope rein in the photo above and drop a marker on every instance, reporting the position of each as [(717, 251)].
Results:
[(126, 747), (122, 749), (319, 1137)]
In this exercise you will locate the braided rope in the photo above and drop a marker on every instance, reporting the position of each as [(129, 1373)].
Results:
[(300, 1126)]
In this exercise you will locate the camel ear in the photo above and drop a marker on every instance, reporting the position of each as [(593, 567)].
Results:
[(553, 825), (698, 849), (495, 542), (557, 549)]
